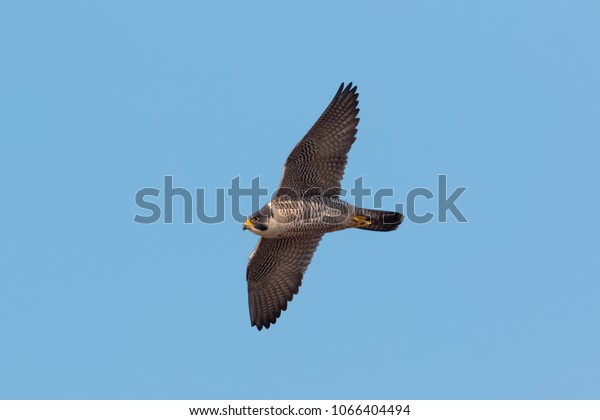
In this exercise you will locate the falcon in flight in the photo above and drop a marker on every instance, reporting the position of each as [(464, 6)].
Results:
[(305, 207)]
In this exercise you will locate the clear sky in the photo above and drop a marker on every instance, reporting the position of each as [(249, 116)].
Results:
[(99, 100)]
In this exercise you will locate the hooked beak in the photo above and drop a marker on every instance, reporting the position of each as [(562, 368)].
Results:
[(247, 224)]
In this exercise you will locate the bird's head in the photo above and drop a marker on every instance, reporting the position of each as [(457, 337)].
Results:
[(258, 222)]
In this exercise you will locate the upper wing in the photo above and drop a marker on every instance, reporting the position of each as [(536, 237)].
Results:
[(274, 275), (317, 163)]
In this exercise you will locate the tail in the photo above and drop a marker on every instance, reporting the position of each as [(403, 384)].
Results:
[(379, 220)]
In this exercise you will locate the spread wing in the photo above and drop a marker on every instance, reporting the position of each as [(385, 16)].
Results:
[(274, 275), (317, 163)]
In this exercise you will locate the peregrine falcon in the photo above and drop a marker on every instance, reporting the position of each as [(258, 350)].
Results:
[(304, 208)]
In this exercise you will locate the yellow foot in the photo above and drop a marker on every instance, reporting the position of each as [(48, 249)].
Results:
[(361, 220)]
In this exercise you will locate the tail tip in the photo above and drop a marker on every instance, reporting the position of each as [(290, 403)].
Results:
[(393, 218), (382, 221)]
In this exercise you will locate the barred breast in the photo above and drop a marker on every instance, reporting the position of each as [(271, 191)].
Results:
[(308, 216)]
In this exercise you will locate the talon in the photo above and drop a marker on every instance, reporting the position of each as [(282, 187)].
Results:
[(361, 220)]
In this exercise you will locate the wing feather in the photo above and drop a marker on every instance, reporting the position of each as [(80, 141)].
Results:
[(274, 275), (317, 163)]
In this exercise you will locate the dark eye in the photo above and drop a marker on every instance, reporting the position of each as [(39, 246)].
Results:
[(254, 219)]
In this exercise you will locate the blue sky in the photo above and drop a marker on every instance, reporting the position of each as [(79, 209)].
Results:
[(100, 100)]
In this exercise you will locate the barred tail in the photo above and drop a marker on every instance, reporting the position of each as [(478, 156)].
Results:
[(378, 220)]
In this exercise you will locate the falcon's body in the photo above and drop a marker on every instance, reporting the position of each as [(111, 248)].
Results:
[(306, 206), (306, 216)]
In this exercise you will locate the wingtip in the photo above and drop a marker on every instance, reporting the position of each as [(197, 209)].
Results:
[(347, 87), (264, 323), (350, 87), (261, 326)]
